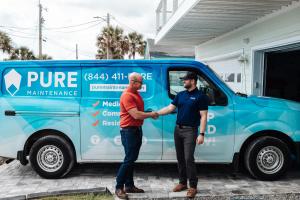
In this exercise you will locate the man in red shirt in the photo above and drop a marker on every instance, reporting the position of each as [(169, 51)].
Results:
[(132, 116)]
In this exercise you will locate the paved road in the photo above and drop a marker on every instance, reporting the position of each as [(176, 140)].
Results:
[(215, 182)]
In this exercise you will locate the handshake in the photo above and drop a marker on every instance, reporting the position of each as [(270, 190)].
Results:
[(154, 115)]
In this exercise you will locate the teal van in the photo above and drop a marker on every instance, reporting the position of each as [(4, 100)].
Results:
[(54, 114)]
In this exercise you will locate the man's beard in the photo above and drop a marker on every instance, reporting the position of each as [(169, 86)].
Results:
[(187, 86)]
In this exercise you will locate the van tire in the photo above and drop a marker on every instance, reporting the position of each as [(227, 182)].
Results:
[(52, 148), (266, 151)]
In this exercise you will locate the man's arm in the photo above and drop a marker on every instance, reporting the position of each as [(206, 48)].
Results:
[(203, 123), (136, 114), (170, 108), (167, 110), (203, 120)]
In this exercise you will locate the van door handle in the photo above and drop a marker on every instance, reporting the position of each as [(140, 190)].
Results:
[(149, 110), (10, 113)]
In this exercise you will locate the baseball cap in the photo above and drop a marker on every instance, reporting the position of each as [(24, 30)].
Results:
[(190, 76)]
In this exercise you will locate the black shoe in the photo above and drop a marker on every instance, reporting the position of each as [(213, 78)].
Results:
[(120, 193), (134, 190)]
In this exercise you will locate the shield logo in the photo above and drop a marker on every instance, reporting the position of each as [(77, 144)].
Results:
[(12, 82)]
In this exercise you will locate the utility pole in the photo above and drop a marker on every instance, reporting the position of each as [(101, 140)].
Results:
[(41, 21), (76, 51), (108, 25), (108, 19)]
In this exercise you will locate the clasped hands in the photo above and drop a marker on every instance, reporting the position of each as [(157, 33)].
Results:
[(154, 115)]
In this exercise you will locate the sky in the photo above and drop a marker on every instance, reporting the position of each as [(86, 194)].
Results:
[(19, 19)]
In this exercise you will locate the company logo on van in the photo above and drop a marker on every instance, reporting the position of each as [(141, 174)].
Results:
[(12, 82), (41, 82)]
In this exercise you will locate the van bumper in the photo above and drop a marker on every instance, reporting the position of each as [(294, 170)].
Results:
[(22, 158)]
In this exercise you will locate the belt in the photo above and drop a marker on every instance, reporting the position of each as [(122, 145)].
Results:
[(131, 128), (182, 126)]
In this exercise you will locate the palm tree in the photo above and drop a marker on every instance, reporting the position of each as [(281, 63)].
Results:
[(111, 43), (22, 53), (46, 57), (136, 44), (5, 43)]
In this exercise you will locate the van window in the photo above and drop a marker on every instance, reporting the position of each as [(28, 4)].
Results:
[(41, 81), (109, 82), (215, 95)]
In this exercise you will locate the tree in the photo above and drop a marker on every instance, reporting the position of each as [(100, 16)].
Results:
[(22, 53), (5, 43), (112, 40), (46, 57), (136, 44)]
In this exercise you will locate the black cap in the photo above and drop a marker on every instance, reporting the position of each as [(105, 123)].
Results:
[(190, 76)]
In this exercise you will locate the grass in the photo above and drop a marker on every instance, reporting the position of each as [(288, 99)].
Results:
[(80, 197)]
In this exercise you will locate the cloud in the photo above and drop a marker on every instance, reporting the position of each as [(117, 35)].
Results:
[(60, 43)]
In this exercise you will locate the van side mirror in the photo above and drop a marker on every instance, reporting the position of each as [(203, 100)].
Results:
[(216, 97), (222, 101)]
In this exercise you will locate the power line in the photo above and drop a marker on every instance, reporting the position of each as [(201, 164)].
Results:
[(58, 44), (122, 24), (71, 26), (8, 30), (16, 27), (10, 34), (83, 29), (50, 28), (66, 48)]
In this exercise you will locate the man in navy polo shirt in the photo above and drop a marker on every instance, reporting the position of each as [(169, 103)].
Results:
[(192, 107)]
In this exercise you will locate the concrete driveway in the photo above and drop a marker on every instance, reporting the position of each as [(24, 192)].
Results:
[(215, 182)]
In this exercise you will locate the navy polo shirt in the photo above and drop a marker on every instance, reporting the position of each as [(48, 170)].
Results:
[(189, 105)]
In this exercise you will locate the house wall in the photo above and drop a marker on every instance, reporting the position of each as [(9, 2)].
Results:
[(3, 56), (223, 53)]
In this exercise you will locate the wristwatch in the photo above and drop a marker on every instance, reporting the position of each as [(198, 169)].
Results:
[(202, 134)]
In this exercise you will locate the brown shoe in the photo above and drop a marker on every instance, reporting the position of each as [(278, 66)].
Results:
[(121, 194), (134, 190), (180, 187), (191, 193)]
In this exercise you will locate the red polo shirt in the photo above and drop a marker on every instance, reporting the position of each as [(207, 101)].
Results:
[(130, 99)]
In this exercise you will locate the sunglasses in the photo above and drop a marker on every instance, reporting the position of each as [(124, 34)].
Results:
[(141, 82)]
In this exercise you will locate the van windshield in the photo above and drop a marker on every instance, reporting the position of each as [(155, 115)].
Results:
[(219, 77)]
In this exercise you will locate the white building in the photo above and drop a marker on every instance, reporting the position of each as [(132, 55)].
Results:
[(3, 56), (253, 44)]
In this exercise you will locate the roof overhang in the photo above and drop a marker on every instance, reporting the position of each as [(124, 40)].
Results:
[(169, 51), (198, 21)]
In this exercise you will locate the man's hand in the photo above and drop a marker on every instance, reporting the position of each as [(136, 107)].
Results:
[(136, 114), (154, 115), (200, 139)]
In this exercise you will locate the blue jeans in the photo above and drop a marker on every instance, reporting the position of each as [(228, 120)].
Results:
[(132, 142)]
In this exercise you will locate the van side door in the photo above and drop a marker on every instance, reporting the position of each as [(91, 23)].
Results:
[(100, 110), (219, 138)]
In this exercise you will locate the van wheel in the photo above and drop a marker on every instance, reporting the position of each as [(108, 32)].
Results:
[(52, 157), (267, 158)]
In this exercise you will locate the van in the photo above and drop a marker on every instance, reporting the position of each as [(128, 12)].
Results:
[(54, 114)]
